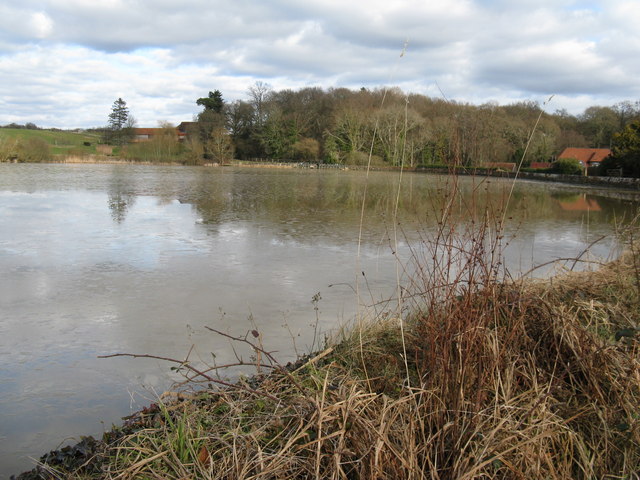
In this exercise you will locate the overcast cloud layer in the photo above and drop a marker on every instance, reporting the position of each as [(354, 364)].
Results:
[(64, 62)]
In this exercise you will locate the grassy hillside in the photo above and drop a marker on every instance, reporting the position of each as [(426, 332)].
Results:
[(32, 145)]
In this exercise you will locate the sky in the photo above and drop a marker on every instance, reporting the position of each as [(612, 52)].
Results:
[(64, 62)]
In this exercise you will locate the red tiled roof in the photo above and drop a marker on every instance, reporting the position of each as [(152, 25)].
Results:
[(586, 156), (147, 131)]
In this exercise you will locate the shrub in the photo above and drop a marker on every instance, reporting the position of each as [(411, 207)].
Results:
[(33, 150), (7, 149), (306, 149), (567, 166), (362, 158)]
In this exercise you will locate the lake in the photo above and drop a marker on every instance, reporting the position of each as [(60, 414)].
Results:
[(103, 259)]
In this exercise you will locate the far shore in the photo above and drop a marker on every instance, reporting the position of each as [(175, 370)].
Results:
[(619, 183)]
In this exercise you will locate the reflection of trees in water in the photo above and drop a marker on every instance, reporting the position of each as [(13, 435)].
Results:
[(603, 207), (208, 194), (119, 204), (618, 210), (284, 197), (540, 203), (296, 200), (121, 194)]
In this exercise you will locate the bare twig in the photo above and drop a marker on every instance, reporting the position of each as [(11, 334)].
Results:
[(267, 354), (190, 367)]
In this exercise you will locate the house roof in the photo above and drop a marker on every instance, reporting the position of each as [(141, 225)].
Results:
[(146, 131), (186, 125), (586, 156)]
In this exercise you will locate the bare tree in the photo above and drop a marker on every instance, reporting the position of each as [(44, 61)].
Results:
[(258, 93), (219, 146)]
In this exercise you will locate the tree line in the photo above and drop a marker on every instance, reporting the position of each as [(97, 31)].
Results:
[(19, 126), (340, 125)]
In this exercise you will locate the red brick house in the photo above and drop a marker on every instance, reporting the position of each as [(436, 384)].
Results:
[(588, 157)]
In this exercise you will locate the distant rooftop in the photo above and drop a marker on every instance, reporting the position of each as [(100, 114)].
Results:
[(589, 157)]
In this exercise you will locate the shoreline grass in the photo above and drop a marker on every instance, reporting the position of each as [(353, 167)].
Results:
[(505, 379)]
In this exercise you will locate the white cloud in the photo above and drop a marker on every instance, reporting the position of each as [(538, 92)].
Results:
[(65, 61), (42, 25)]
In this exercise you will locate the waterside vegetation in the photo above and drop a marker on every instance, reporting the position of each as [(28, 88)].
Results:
[(380, 126)]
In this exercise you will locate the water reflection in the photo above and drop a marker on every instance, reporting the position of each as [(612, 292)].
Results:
[(110, 258), (121, 194), (579, 202)]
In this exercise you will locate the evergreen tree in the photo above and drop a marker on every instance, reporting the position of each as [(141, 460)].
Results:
[(119, 115), (213, 102), (120, 128), (212, 124), (626, 151)]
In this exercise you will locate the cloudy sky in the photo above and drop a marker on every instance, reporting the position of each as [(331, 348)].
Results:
[(64, 62)]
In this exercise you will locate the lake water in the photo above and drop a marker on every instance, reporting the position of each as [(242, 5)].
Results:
[(101, 259)]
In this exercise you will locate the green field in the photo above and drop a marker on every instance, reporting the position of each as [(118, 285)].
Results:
[(60, 142)]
